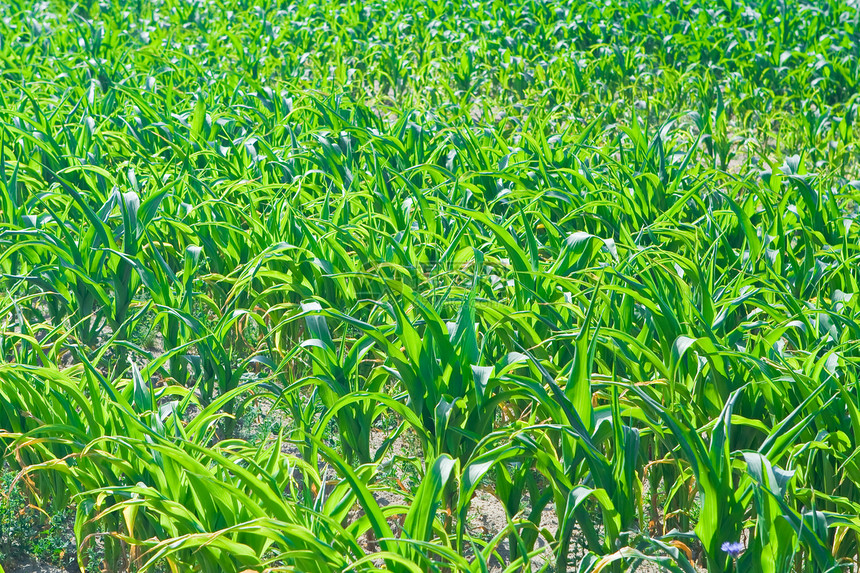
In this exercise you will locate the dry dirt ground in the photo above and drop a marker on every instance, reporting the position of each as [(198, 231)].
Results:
[(31, 566)]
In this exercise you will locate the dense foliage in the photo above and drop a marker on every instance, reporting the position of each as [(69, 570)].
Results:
[(594, 261)]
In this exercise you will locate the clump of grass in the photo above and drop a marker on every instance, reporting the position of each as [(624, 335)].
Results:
[(27, 530)]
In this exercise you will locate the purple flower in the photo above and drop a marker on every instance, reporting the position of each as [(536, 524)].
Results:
[(733, 548)]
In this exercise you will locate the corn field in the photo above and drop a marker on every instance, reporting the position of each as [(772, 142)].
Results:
[(317, 286)]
